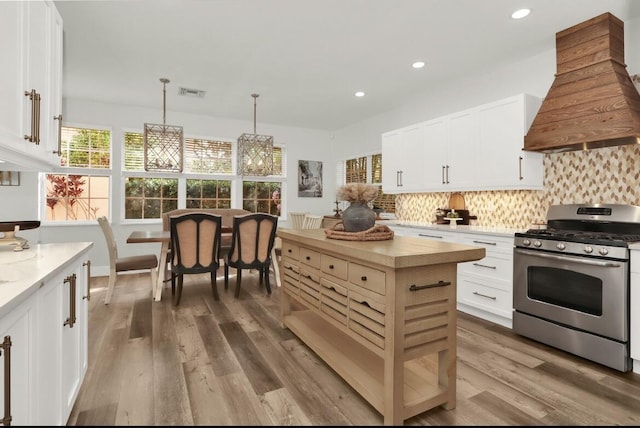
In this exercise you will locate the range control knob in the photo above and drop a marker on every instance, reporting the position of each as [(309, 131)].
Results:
[(537, 243), (603, 251), (526, 242), (561, 246), (588, 249)]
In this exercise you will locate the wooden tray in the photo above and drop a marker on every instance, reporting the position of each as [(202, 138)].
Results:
[(456, 201)]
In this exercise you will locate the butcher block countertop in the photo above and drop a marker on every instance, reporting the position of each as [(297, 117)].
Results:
[(22, 272), (399, 252)]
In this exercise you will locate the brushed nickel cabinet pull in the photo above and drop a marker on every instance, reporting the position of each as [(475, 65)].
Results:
[(520, 167), (422, 287), (484, 266), (429, 236), (72, 300), (88, 265), (447, 174), (443, 181), (59, 119), (35, 116), (397, 178), (6, 347), (484, 295)]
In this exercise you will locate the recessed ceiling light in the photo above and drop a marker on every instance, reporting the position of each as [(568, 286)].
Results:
[(418, 64), (521, 13), (359, 94)]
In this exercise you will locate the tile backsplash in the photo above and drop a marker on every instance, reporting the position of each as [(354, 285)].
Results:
[(607, 175)]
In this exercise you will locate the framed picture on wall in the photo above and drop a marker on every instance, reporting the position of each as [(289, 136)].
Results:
[(309, 179)]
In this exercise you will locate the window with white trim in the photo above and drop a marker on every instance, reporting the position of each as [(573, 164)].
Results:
[(367, 169), (82, 191)]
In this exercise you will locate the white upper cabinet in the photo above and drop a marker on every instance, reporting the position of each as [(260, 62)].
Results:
[(501, 158), (475, 149), (30, 83), (403, 159)]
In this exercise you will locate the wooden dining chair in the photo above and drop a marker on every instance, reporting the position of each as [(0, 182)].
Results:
[(195, 248), (124, 264), (252, 240)]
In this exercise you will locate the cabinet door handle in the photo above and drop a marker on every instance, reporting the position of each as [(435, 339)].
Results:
[(289, 250), (485, 242), (484, 295), (520, 158), (440, 283), (6, 348), (443, 181), (429, 236), (363, 278), (88, 265), (59, 119), (447, 174), (308, 258), (330, 266), (35, 116), (401, 184), (484, 266), (72, 300)]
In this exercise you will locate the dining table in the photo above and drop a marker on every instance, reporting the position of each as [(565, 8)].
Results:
[(164, 238)]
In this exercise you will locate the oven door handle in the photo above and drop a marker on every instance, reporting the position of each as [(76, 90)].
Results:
[(566, 258)]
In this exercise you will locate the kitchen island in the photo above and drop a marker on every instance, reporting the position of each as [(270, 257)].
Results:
[(382, 314)]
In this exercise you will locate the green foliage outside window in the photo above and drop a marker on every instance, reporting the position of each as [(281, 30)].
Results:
[(208, 193), (85, 148), (149, 197), (264, 197)]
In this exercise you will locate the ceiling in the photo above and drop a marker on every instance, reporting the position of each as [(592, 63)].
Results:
[(305, 58)]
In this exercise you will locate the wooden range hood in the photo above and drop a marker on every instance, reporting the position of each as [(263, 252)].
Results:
[(592, 102)]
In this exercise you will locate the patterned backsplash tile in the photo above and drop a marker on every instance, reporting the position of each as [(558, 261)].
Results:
[(608, 175)]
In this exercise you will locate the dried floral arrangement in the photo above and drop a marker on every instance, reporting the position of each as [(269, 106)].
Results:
[(357, 192)]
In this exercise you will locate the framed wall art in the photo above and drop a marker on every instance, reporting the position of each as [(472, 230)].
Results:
[(309, 179)]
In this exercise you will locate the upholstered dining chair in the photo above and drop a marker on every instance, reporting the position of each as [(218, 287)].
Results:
[(124, 264), (195, 248), (252, 241)]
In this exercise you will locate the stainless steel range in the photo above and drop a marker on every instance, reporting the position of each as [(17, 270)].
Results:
[(571, 281)]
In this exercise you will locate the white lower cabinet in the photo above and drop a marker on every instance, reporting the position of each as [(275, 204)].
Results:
[(634, 328), (485, 287), (18, 359), (48, 334)]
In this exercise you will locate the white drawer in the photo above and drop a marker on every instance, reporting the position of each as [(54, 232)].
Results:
[(492, 243), (495, 266), (481, 296)]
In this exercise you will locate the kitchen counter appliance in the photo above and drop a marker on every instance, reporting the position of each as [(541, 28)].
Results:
[(571, 281)]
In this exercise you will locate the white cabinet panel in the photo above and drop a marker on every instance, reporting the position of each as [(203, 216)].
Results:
[(634, 328), (403, 154), (31, 45), (17, 333)]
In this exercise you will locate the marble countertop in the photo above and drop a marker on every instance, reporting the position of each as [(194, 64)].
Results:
[(485, 230), (23, 272)]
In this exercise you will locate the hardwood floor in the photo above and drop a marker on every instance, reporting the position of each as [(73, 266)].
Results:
[(231, 363)]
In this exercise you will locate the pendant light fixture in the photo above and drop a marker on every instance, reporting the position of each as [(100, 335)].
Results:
[(163, 143), (255, 152)]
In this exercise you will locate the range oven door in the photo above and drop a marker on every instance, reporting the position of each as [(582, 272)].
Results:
[(579, 292)]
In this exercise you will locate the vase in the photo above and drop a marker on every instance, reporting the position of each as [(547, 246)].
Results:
[(358, 217)]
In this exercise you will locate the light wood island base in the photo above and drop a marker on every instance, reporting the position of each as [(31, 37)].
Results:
[(382, 314)]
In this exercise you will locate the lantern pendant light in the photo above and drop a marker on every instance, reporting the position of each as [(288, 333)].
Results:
[(163, 144), (255, 152)]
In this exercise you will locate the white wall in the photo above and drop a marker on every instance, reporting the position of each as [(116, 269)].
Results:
[(533, 75)]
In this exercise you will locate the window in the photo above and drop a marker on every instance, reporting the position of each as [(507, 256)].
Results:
[(85, 148), (208, 156), (262, 196), (82, 192), (208, 193), (367, 169), (76, 197), (149, 197)]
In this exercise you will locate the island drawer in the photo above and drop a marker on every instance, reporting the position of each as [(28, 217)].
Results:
[(367, 318), (334, 266), (366, 277), (310, 257), (290, 250), (333, 300)]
